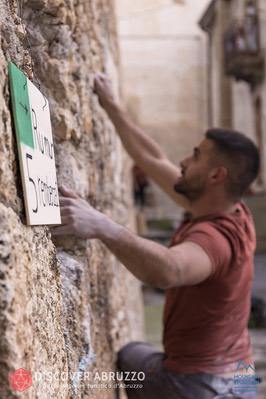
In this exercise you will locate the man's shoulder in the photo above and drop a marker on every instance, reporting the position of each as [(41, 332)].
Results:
[(246, 212), (236, 228), (238, 224)]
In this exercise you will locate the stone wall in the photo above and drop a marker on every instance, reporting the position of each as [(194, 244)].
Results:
[(65, 308)]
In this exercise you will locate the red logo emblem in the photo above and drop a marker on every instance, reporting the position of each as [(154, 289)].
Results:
[(20, 380)]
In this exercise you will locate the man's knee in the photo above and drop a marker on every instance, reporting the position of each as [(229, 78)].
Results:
[(124, 356)]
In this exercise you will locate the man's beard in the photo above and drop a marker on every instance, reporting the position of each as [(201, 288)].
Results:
[(192, 190)]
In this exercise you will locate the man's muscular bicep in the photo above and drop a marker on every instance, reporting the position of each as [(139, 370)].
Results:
[(194, 264)]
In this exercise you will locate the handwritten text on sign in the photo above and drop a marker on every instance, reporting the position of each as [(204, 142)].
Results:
[(36, 150)]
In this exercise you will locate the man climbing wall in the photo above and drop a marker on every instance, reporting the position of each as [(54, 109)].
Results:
[(207, 270)]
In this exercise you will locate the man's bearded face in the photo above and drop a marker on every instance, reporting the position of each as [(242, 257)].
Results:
[(194, 174), (192, 187)]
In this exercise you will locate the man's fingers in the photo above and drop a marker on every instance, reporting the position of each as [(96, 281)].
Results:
[(67, 192), (98, 84), (66, 219), (65, 210), (100, 79), (61, 230), (101, 76), (66, 201)]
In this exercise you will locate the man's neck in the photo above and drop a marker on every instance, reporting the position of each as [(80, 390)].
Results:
[(208, 206)]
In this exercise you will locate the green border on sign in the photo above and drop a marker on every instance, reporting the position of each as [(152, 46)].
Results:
[(21, 105)]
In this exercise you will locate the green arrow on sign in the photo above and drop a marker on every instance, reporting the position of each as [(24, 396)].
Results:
[(21, 105)]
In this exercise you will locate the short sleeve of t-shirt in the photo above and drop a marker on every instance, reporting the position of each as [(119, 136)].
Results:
[(214, 243)]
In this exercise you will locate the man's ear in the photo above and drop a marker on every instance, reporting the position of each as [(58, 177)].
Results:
[(218, 174)]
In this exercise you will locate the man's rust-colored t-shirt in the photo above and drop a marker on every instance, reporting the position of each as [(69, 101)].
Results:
[(205, 325)]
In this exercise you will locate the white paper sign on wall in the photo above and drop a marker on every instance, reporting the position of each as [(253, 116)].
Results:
[(36, 150)]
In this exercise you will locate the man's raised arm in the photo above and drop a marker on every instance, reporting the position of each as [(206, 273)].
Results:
[(145, 152)]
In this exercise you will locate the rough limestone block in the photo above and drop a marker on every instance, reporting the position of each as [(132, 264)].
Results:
[(69, 308)]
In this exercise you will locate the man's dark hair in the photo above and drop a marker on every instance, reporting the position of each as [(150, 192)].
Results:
[(242, 158)]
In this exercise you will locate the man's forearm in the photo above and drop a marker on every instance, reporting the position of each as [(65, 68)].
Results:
[(138, 145), (150, 262), (146, 153)]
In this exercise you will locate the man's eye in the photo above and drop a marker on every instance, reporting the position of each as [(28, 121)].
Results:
[(196, 154)]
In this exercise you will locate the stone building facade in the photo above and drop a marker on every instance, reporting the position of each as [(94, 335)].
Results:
[(65, 306), (163, 63), (236, 83)]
